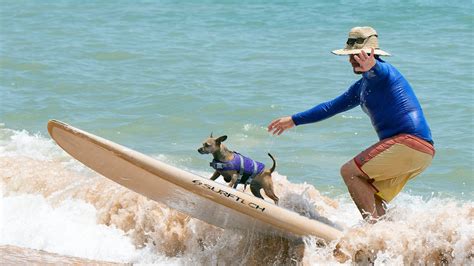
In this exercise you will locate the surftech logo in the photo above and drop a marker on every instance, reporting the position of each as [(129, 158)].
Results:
[(228, 195)]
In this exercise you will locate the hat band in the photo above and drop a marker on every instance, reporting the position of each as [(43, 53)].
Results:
[(352, 41)]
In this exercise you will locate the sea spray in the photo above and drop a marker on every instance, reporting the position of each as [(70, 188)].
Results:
[(146, 222), (415, 230)]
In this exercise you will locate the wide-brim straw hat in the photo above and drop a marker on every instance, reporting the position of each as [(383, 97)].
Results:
[(361, 38)]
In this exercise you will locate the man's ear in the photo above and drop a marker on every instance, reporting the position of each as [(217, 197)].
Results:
[(221, 139)]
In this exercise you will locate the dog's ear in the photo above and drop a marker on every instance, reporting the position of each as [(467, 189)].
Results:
[(221, 139), (211, 135)]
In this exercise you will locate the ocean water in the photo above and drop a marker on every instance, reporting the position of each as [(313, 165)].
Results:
[(160, 76)]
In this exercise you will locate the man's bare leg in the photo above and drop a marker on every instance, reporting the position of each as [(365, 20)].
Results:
[(380, 205), (362, 193)]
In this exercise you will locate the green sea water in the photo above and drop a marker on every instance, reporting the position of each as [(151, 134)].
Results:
[(160, 76)]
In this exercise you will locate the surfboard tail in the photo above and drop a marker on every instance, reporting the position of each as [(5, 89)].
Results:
[(274, 163)]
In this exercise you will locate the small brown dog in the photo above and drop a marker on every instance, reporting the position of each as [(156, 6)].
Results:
[(238, 169)]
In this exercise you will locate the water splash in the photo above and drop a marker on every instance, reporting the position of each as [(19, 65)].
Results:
[(54, 194)]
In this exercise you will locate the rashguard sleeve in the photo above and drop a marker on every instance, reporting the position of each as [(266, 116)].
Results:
[(378, 72), (344, 102)]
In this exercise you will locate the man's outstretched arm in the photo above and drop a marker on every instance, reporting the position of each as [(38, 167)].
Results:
[(344, 102)]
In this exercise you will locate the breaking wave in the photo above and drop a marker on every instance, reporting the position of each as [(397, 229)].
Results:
[(51, 202)]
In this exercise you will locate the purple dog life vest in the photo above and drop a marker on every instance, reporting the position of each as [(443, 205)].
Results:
[(246, 167)]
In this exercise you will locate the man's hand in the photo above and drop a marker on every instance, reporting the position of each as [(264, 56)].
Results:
[(279, 125), (365, 61)]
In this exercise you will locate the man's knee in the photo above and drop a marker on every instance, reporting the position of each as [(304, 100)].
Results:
[(350, 170), (347, 171)]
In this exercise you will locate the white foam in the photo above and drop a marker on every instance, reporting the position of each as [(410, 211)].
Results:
[(21, 143), (68, 229), (415, 230)]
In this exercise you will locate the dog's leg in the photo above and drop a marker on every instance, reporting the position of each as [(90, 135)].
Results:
[(255, 188), (271, 194), (233, 180), (215, 175), (268, 188)]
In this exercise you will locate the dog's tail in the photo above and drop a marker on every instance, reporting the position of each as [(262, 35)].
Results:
[(274, 163)]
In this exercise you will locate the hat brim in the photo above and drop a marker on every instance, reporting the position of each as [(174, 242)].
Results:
[(357, 51)]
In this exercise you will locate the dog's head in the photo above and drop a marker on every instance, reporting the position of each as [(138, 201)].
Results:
[(211, 145)]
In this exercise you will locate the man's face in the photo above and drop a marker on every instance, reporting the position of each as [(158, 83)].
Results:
[(354, 64)]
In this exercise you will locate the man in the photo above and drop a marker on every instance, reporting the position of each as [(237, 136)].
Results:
[(376, 175)]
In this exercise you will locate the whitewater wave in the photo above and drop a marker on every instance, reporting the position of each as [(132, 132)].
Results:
[(53, 203)]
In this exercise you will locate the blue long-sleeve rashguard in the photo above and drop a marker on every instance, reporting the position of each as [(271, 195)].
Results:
[(387, 98)]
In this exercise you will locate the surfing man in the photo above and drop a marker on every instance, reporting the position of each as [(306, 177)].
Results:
[(405, 148)]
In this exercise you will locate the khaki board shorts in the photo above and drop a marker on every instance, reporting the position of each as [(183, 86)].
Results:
[(391, 162)]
